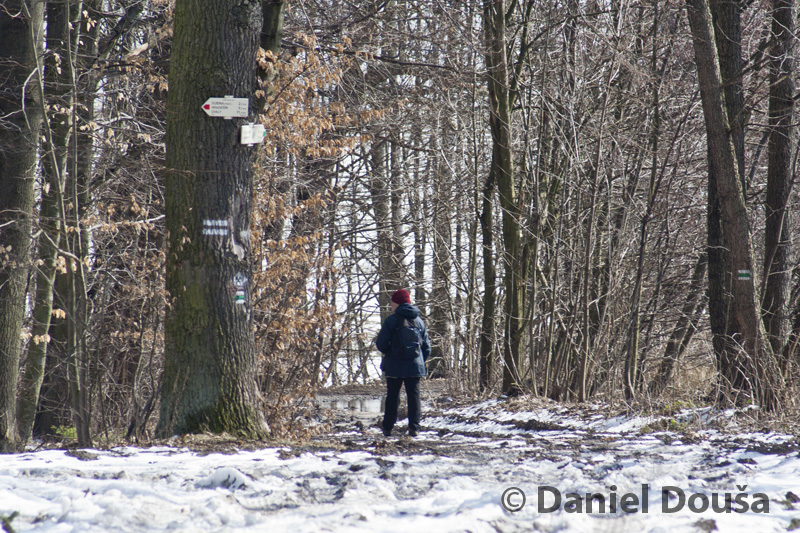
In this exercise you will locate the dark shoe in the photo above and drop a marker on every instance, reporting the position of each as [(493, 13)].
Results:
[(412, 433), (387, 432)]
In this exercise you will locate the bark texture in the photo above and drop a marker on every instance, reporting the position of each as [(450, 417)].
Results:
[(209, 381), (777, 269), (748, 371), (500, 104), (21, 40)]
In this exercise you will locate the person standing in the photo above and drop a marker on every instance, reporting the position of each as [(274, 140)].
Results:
[(403, 340)]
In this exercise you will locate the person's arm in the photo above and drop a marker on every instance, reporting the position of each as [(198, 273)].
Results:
[(426, 344), (384, 340)]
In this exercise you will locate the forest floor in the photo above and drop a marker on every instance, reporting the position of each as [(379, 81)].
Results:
[(496, 465)]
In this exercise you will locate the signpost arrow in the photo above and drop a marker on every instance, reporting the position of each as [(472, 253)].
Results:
[(227, 107)]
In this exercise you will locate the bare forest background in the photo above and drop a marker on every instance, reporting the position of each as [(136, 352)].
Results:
[(587, 200)]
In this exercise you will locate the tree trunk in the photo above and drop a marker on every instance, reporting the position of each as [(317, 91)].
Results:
[(271, 35), (490, 285), (726, 16), (777, 268), (209, 381), (272, 28), (440, 326), (751, 369), (68, 155), (59, 92), (418, 207), (390, 263), (503, 169), (21, 38)]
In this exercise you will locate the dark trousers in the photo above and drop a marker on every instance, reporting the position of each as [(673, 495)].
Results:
[(393, 398)]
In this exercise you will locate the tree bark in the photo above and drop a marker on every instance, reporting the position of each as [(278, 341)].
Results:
[(750, 370), (777, 269), (59, 92), (441, 359), (390, 262), (209, 381), (21, 38), (486, 358), (500, 100), (271, 34), (726, 17)]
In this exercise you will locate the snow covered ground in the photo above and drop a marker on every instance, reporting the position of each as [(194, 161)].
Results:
[(466, 466)]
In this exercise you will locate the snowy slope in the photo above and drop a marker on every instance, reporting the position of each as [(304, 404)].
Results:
[(450, 478)]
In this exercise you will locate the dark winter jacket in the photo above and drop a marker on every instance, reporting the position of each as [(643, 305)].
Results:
[(393, 366)]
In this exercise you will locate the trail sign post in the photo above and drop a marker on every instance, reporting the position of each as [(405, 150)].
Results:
[(227, 107)]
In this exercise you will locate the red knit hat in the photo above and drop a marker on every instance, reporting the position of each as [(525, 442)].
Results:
[(401, 297)]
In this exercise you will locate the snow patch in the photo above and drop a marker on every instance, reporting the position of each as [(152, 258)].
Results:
[(226, 478)]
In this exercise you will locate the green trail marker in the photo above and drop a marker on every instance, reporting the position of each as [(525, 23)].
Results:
[(744, 275), (239, 297)]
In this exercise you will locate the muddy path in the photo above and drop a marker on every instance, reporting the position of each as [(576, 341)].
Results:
[(454, 476), (592, 439)]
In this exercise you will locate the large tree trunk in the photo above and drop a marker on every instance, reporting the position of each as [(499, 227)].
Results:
[(209, 381), (726, 16), (21, 116), (750, 371), (777, 268)]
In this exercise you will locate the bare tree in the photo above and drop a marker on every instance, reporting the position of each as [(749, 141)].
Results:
[(777, 267), (750, 368)]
